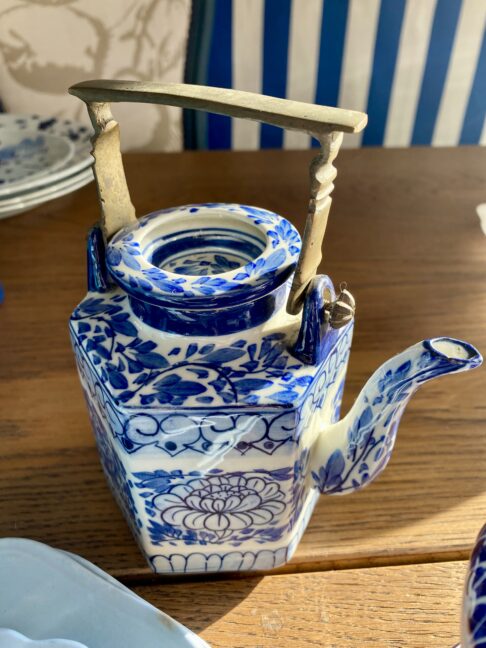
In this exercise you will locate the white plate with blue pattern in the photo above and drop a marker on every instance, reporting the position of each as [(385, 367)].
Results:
[(46, 594), (58, 166), (27, 155)]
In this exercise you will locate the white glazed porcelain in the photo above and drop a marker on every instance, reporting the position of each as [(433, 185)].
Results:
[(27, 155), (12, 639), (28, 201), (213, 358), (51, 594), (75, 134), (216, 413), (473, 618)]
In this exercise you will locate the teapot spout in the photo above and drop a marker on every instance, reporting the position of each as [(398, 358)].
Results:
[(351, 453)]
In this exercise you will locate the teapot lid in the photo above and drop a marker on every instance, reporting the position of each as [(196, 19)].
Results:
[(204, 256)]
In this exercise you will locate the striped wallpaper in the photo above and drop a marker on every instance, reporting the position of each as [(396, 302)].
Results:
[(417, 67)]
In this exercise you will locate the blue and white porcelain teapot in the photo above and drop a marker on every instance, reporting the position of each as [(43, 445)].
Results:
[(213, 358)]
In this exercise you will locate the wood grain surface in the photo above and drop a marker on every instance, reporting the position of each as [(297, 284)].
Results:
[(414, 606), (405, 236)]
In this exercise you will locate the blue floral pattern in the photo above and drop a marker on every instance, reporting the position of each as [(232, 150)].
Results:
[(139, 373), (116, 474), (218, 508), (208, 433), (186, 418), (222, 504), (216, 431), (376, 414), (127, 261), (28, 163), (223, 561), (203, 264)]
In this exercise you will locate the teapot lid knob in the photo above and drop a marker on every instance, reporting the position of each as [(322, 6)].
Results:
[(341, 311)]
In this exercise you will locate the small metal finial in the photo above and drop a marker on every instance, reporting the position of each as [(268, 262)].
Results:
[(341, 311)]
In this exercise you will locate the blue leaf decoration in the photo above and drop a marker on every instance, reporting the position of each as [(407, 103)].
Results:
[(145, 347), (191, 350), (224, 355), (134, 366), (126, 328), (93, 306), (207, 348), (100, 349), (403, 370), (113, 256), (148, 399), (125, 396), (251, 384), (167, 286), (167, 381), (303, 381), (200, 373), (250, 365), (146, 285), (274, 260), (205, 399), (189, 388), (117, 380), (334, 468), (285, 397), (365, 418), (152, 360), (130, 261)]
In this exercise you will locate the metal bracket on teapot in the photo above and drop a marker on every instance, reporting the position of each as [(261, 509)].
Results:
[(324, 123)]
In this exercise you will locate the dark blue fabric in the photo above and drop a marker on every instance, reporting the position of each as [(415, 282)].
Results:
[(333, 31), (275, 54), (196, 68), (219, 71), (476, 107), (440, 47), (211, 63), (384, 60)]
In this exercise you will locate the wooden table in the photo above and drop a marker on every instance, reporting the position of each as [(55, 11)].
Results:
[(405, 236)]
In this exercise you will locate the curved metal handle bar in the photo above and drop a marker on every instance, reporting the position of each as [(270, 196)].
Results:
[(324, 123)]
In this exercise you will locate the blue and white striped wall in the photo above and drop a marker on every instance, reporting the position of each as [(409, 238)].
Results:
[(417, 67)]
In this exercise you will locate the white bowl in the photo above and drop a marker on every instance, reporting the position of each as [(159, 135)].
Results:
[(47, 593)]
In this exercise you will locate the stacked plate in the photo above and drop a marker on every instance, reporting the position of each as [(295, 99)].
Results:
[(41, 159), (53, 599)]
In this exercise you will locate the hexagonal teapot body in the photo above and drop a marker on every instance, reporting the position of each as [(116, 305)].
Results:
[(204, 438)]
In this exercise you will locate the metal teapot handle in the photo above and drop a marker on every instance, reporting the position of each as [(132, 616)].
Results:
[(324, 123)]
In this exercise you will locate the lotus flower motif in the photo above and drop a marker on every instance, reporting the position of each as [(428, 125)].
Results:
[(222, 504)]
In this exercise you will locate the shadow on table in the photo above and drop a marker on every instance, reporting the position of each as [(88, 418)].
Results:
[(202, 602)]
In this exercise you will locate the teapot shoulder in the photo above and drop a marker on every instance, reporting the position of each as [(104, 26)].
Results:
[(140, 366)]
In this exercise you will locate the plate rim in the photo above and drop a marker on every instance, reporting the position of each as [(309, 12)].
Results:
[(31, 197), (53, 129)]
